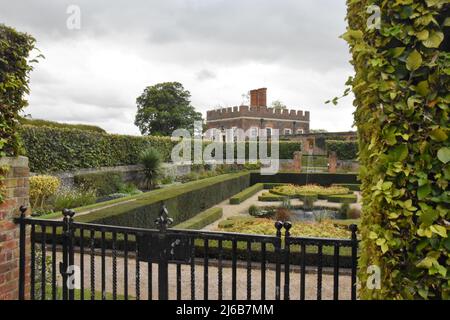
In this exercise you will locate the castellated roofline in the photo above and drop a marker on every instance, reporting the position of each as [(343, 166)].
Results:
[(261, 112)]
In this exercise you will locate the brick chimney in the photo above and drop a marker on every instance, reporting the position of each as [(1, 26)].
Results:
[(258, 97)]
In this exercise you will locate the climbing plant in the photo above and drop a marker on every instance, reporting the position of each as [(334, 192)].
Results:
[(15, 48), (401, 87)]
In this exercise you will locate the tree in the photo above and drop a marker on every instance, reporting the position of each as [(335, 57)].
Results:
[(277, 104), (165, 107)]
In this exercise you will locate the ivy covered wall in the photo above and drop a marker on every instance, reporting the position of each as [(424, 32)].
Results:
[(401, 87)]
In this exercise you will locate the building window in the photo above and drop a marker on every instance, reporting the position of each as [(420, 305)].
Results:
[(287, 131), (254, 132), (269, 132), (299, 131)]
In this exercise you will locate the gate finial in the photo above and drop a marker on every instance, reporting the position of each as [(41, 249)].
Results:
[(163, 221)]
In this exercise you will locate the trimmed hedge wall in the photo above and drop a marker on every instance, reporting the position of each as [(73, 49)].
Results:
[(202, 219), (247, 193), (324, 179), (345, 150), (351, 186), (182, 201), (58, 149), (51, 149), (54, 124)]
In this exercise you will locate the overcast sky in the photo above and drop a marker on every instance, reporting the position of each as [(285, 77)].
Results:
[(218, 49)]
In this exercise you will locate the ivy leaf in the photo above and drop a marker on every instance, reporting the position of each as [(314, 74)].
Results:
[(434, 40), (423, 88), (423, 35), (438, 135), (423, 191), (399, 153), (444, 154), (414, 61), (440, 230)]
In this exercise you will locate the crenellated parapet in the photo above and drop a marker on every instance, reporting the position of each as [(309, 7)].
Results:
[(257, 112)]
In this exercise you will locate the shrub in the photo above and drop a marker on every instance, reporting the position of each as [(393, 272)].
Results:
[(345, 150), (54, 124), (344, 210), (253, 210), (293, 191), (269, 197), (344, 198), (323, 179), (73, 198), (183, 202), (308, 201), (202, 219), (247, 193), (62, 149), (41, 188), (15, 48), (354, 213), (129, 189), (103, 183), (350, 186), (282, 214), (151, 160), (167, 180)]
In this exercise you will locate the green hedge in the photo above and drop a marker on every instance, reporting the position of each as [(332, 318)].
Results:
[(247, 193), (104, 183), (52, 149), (182, 201), (59, 149), (54, 124), (270, 197), (202, 219), (324, 179), (345, 150), (343, 198), (351, 186), (272, 185)]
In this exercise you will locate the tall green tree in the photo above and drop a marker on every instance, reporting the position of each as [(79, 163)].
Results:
[(165, 107)]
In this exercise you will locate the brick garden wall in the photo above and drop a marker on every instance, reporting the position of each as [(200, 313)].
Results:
[(16, 188)]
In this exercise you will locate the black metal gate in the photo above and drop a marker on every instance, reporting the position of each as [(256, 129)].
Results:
[(80, 261)]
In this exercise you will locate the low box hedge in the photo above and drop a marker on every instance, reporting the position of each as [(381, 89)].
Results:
[(247, 193), (182, 201), (202, 219), (343, 198), (351, 186), (270, 197), (323, 179), (268, 186)]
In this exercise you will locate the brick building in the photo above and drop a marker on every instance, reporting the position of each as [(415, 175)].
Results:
[(258, 116)]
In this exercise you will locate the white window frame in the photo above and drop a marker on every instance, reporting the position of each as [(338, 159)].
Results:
[(287, 131)]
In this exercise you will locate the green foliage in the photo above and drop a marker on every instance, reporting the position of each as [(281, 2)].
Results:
[(343, 198), (73, 198), (401, 88), (350, 186), (247, 193), (345, 150), (61, 149), (103, 183), (202, 219), (165, 107), (15, 48), (152, 161), (323, 179), (344, 209), (54, 124), (269, 197), (183, 202), (41, 188)]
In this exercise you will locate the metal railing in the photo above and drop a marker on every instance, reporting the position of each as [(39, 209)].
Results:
[(70, 260)]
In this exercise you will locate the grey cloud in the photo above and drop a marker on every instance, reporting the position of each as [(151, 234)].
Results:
[(205, 74)]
